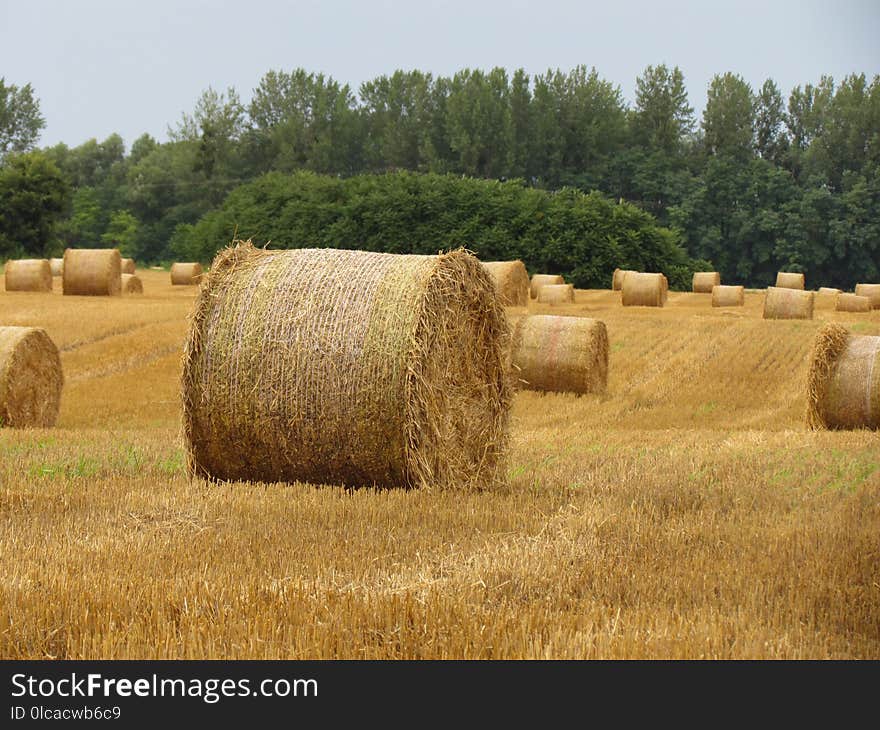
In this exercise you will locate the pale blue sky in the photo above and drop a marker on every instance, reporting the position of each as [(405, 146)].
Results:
[(103, 66)]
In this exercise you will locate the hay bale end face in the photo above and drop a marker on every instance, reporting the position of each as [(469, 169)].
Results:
[(132, 284), (330, 366), (128, 266), (843, 381), (617, 278), (30, 378), (539, 280), (872, 291), (561, 354), (29, 275), (780, 303), (556, 294), (853, 303), (644, 290), (186, 274), (511, 281), (728, 296), (92, 272), (789, 280), (57, 266), (703, 281)]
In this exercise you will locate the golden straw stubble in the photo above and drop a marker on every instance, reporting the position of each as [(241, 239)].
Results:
[(92, 272), (781, 303), (28, 275), (30, 378), (511, 281)]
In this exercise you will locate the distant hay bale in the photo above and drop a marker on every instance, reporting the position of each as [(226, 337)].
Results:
[(780, 303), (703, 281), (789, 280), (28, 275), (617, 278), (828, 291), (539, 280), (556, 294), (92, 271), (561, 354), (853, 303), (644, 290), (57, 266), (128, 266), (351, 367), (872, 291), (131, 284), (843, 382), (30, 378), (186, 274), (511, 282), (728, 296)]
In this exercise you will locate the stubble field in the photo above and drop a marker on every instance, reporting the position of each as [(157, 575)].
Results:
[(687, 513)]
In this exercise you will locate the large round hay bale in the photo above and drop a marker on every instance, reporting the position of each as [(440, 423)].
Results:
[(852, 303), (30, 378), (644, 290), (728, 296), (28, 275), (57, 266), (781, 303), (789, 280), (556, 294), (132, 284), (703, 281), (562, 354), (617, 278), (92, 271), (872, 291), (843, 383), (127, 266), (186, 274), (350, 367), (511, 281), (539, 280)]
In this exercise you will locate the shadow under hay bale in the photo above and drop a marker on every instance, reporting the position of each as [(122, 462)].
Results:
[(852, 303), (780, 303), (350, 367), (57, 266), (728, 296), (132, 284), (30, 378), (789, 280), (617, 278), (186, 274), (703, 281), (128, 266), (539, 280), (29, 275), (872, 291), (92, 272), (644, 290), (511, 281), (556, 294)]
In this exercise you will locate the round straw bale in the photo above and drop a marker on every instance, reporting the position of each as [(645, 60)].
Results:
[(30, 378), (28, 275), (728, 296), (781, 303), (703, 281), (644, 290), (789, 280), (539, 280), (563, 354), (57, 266), (843, 382), (618, 277), (186, 274), (847, 302), (127, 266), (350, 367), (872, 291), (556, 294), (132, 284), (511, 281), (828, 291), (92, 271)]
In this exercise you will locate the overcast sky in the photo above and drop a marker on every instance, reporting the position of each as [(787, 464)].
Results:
[(104, 66)]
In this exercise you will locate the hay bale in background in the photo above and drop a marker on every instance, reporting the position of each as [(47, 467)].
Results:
[(131, 284), (617, 278), (644, 290), (186, 274), (828, 291), (30, 378), (872, 291), (556, 294), (728, 296), (351, 367), (511, 282), (703, 281), (127, 266), (57, 266), (92, 271), (843, 382), (781, 303), (789, 280), (561, 354), (853, 303), (539, 280), (28, 275)]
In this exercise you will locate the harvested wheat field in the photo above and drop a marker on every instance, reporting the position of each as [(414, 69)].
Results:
[(688, 511)]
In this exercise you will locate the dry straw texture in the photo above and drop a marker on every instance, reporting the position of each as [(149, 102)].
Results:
[(618, 277), (843, 383), (788, 304), (562, 354), (828, 291), (556, 294), (511, 281), (539, 280), (186, 274), (853, 303), (872, 291), (644, 290), (57, 266), (131, 284), (128, 266), (95, 272), (350, 367), (789, 280), (30, 378), (728, 296), (28, 275), (703, 281)]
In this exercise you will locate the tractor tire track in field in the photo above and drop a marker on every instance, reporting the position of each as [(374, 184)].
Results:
[(118, 332)]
